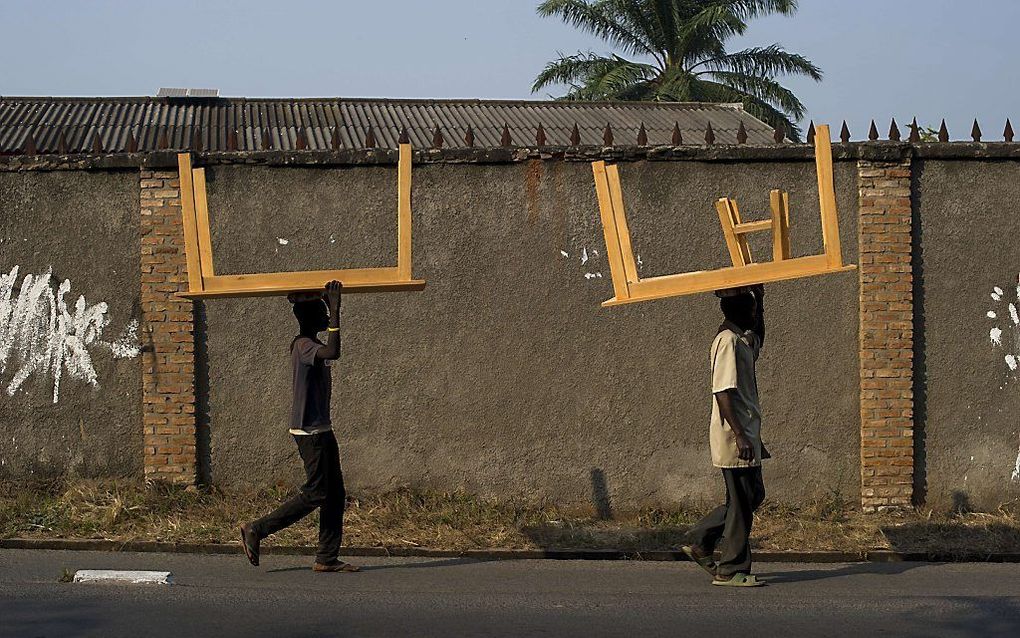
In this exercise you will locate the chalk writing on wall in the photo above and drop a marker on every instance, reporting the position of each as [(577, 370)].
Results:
[(41, 335)]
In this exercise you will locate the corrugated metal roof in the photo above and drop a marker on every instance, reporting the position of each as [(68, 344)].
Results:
[(246, 124)]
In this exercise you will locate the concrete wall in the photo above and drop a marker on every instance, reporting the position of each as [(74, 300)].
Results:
[(84, 227), (966, 229), (505, 376)]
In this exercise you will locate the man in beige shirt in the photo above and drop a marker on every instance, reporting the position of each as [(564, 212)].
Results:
[(735, 439)]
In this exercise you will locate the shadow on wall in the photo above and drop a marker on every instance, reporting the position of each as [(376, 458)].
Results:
[(203, 446), (920, 371)]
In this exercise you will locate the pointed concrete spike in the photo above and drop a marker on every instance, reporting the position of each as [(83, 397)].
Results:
[(505, 139), (811, 132), (370, 137), (469, 137), (975, 132), (709, 134), (29, 147), (894, 131), (943, 132), (540, 135), (741, 134), (873, 132), (575, 136), (301, 141), (642, 136), (607, 135), (678, 137), (267, 140), (1007, 133), (132, 143), (844, 133), (437, 138), (334, 140), (405, 137), (62, 147), (915, 132), (780, 133)]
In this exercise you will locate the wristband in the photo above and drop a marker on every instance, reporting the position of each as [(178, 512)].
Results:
[(333, 329)]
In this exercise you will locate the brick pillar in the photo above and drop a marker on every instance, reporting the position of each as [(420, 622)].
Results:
[(886, 336), (168, 363)]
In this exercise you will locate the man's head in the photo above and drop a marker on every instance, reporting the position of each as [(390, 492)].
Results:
[(741, 309), (312, 315)]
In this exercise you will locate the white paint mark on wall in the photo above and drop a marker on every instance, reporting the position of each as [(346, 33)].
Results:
[(1010, 361), (1013, 315), (592, 275), (565, 253), (282, 241), (332, 239), (991, 314), (997, 293), (995, 335), (584, 256), (1016, 468), (41, 335)]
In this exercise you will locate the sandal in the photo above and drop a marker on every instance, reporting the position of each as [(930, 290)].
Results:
[(740, 579), (706, 562)]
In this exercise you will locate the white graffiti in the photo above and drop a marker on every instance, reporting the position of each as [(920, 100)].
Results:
[(1008, 323), (40, 335)]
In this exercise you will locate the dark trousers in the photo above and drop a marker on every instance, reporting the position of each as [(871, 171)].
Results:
[(731, 522), (323, 489)]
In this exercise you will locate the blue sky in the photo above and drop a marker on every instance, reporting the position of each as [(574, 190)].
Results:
[(929, 58)]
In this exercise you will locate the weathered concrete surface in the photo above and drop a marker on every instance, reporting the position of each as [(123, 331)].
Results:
[(83, 225), (505, 376), (967, 234)]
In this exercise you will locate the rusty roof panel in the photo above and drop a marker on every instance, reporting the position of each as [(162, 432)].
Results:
[(185, 121)]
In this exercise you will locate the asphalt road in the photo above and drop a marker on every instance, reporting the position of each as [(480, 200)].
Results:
[(223, 596)]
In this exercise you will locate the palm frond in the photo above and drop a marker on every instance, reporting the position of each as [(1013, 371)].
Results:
[(763, 88), (597, 17), (767, 61)]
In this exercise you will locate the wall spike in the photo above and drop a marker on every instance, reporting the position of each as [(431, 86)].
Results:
[(943, 132), (505, 139), (894, 131), (575, 136), (1007, 133), (741, 134), (62, 146), (437, 138), (642, 135), (404, 137), (780, 133), (709, 134), (811, 132), (607, 135), (844, 133), (915, 132), (975, 131), (873, 132), (540, 135), (469, 137), (678, 137), (370, 137), (334, 140)]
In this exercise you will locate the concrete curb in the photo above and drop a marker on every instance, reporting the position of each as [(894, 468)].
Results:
[(874, 556)]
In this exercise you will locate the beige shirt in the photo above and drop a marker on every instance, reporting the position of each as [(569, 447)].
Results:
[(733, 359)]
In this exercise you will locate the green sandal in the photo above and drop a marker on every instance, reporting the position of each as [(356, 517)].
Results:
[(705, 562), (740, 579)]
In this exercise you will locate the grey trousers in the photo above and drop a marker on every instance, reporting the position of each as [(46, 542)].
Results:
[(731, 522), (323, 490)]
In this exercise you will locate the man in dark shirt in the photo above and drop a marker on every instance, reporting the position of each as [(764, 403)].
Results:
[(312, 429)]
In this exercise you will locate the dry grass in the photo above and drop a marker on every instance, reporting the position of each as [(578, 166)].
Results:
[(125, 510)]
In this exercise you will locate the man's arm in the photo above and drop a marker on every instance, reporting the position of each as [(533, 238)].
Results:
[(745, 451), (331, 350)]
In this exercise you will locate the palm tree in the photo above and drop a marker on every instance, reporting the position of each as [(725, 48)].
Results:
[(682, 43)]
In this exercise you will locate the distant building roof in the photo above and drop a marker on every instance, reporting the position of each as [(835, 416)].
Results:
[(73, 124)]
